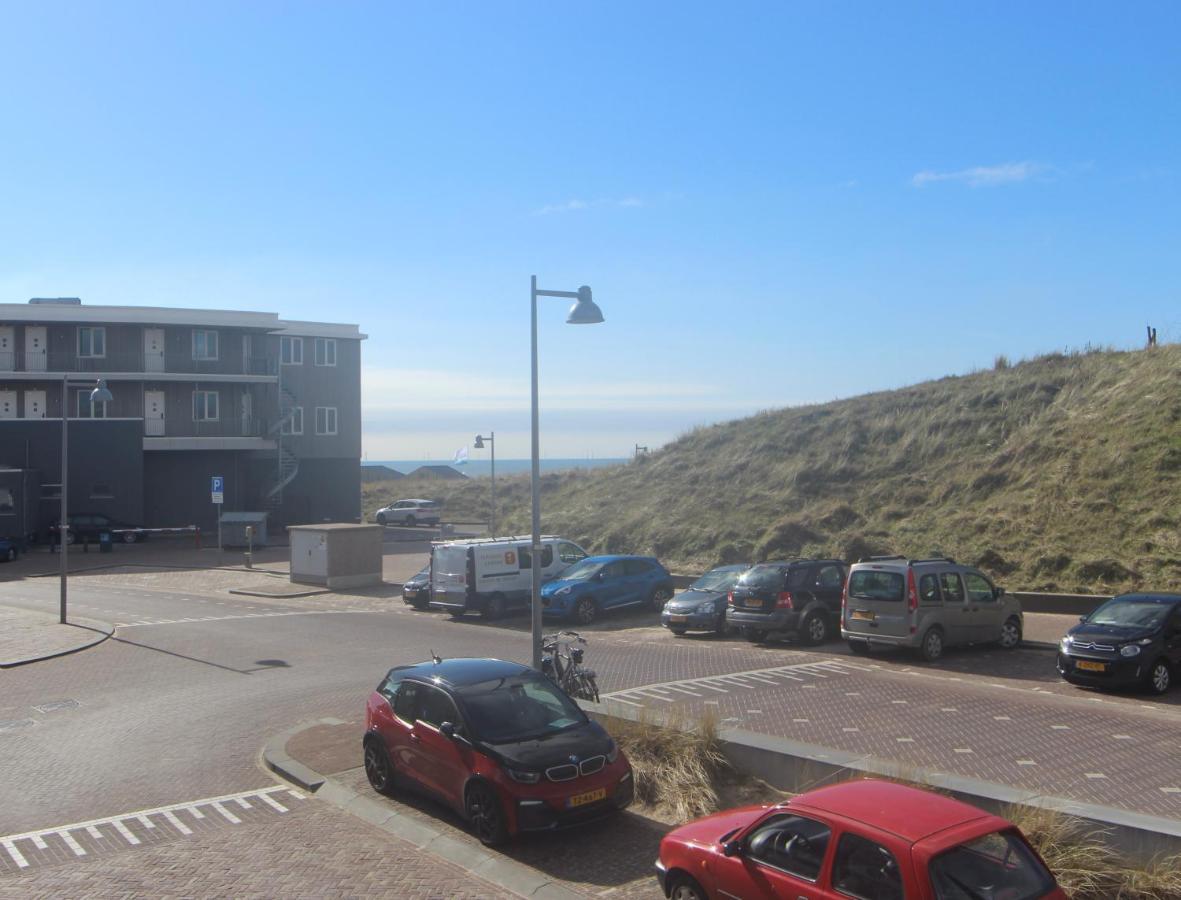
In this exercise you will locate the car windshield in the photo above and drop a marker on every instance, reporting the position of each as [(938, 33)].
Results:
[(1130, 613), (718, 580), (761, 578), (423, 573), (518, 709), (866, 584), (581, 571), (995, 865)]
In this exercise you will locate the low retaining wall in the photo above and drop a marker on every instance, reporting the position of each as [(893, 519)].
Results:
[(795, 766)]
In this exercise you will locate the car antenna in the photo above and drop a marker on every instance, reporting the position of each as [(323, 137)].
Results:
[(435, 656)]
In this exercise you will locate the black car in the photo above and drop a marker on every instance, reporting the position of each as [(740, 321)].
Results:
[(702, 606), (416, 591), (88, 527), (799, 597), (1131, 640)]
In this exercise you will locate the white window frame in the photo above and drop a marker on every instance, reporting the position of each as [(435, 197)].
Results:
[(206, 355), (92, 331), (294, 425), (290, 350), (92, 410), (320, 348), (204, 406), (326, 410)]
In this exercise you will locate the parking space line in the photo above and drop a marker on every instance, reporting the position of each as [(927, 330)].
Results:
[(229, 816), (94, 832), (17, 856), (176, 823), (125, 831), (273, 803), (71, 843)]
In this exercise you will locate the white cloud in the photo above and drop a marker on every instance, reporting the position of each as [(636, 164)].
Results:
[(576, 205), (983, 176)]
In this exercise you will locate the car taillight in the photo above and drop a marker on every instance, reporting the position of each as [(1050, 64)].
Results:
[(784, 601), (730, 598), (845, 598)]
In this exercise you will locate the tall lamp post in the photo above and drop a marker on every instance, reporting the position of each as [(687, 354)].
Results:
[(479, 445), (583, 312), (100, 394)]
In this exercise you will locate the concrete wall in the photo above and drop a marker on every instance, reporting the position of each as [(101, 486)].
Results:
[(337, 555), (324, 490)]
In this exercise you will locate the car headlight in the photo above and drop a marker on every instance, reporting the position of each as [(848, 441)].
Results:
[(523, 776), (562, 592), (706, 607), (612, 752), (1066, 642), (1129, 650)]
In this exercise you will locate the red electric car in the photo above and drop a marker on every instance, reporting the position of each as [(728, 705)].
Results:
[(498, 741), (874, 840)]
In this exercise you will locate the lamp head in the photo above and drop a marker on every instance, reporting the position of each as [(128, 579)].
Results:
[(584, 311), (101, 394), (479, 442)]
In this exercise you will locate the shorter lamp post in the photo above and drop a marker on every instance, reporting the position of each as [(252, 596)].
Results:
[(100, 394), (479, 445)]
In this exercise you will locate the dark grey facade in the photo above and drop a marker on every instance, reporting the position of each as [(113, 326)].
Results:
[(271, 406)]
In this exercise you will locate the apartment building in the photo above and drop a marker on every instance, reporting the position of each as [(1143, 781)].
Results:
[(272, 406)]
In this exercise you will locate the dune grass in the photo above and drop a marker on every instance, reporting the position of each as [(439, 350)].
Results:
[(1056, 473)]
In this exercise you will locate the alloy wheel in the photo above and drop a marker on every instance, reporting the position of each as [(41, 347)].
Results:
[(1010, 634), (816, 629), (377, 768), (585, 610), (486, 816), (933, 645), (685, 889), (1159, 677)]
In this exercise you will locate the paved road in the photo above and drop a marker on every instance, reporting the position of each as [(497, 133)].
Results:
[(174, 709)]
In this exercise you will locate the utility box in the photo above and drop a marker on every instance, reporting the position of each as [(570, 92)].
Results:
[(234, 525), (336, 554)]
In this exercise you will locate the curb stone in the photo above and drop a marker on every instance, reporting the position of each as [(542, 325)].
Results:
[(102, 631), (491, 867)]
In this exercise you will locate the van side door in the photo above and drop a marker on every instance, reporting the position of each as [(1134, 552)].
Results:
[(987, 613), (956, 616)]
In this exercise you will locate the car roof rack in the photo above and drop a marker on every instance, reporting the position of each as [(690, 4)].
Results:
[(909, 561), (497, 540), (934, 559)]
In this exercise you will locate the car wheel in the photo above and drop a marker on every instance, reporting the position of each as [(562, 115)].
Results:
[(378, 769), (130, 537), (585, 611), (859, 648), (660, 596), (684, 887), (381, 518), (754, 635), (494, 608), (1011, 634), (1160, 677), (486, 815), (932, 646), (814, 629), (678, 630), (409, 521)]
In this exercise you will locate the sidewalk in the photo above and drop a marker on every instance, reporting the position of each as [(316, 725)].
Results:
[(27, 636)]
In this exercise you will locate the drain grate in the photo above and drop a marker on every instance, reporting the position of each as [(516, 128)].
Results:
[(56, 705)]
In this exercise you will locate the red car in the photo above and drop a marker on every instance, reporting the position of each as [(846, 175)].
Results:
[(498, 741), (870, 840)]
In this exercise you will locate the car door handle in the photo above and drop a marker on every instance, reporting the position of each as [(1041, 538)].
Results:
[(414, 738)]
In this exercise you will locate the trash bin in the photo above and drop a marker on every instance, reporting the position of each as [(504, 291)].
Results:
[(104, 542)]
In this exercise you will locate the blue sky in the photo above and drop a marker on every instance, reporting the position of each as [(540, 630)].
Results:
[(774, 203)]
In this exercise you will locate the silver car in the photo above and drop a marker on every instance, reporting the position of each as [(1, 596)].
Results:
[(925, 604)]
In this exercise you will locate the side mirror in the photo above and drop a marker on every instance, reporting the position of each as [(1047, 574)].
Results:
[(732, 848), (999, 592), (1082, 619), (447, 729)]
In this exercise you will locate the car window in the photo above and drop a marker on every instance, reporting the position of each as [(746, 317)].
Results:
[(435, 707), (1129, 612), (406, 701), (1000, 864), (719, 580), (637, 566), (830, 578), (507, 710), (978, 588), (929, 590), (866, 584), (570, 553), (953, 588), (865, 869), (762, 578), (389, 686), (793, 844), (614, 570), (800, 578), (525, 557)]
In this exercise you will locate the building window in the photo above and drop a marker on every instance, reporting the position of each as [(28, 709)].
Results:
[(204, 406), (87, 409), (325, 352), (291, 351), (293, 420), (325, 420), (204, 344), (92, 341)]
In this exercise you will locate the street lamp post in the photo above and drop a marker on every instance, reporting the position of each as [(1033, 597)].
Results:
[(479, 445), (583, 312), (100, 394)]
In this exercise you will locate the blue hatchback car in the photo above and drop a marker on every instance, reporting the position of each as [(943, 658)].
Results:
[(600, 583)]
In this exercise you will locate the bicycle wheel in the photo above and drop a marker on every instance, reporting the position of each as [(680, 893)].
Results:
[(590, 690)]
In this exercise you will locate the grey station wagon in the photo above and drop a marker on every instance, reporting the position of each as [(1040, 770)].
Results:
[(925, 604)]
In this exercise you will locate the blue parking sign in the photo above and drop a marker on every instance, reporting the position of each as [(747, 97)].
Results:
[(218, 484)]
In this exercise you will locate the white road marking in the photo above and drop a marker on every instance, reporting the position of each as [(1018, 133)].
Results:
[(1122, 737), (39, 842), (964, 750), (1060, 727), (229, 816), (267, 615), (17, 856), (1003, 718), (177, 823), (802, 721), (197, 814), (617, 699), (241, 801), (1171, 790), (71, 843), (125, 831), (146, 822), (1094, 775), (1026, 762), (94, 832), (273, 803)]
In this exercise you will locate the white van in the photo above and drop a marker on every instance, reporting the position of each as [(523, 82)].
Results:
[(493, 575)]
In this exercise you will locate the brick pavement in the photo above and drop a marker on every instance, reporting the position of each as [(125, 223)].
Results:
[(31, 634)]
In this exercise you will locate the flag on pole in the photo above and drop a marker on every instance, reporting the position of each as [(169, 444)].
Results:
[(460, 457)]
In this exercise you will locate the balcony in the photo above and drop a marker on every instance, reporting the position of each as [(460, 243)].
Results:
[(32, 365), (182, 433)]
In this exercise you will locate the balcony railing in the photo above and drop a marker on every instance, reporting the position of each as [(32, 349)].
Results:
[(184, 427), (11, 361)]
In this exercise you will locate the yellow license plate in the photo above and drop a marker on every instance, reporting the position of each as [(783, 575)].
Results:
[(588, 797), (757, 604), (672, 618), (1091, 666), (862, 615)]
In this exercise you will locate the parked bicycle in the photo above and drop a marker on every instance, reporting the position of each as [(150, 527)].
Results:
[(562, 663)]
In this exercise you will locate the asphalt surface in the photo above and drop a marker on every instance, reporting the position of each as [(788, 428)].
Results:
[(175, 707)]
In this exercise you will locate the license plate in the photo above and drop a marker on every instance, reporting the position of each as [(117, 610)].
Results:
[(412, 592), (588, 797), (672, 618), (751, 602), (862, 615), (1087, 666)]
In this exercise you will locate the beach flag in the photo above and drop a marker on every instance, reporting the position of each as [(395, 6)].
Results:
[(460, 457)]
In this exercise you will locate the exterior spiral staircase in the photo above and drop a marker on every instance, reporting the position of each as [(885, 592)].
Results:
[(288, 462)]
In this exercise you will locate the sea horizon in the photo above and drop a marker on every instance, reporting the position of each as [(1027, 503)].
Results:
[(482, 468)]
